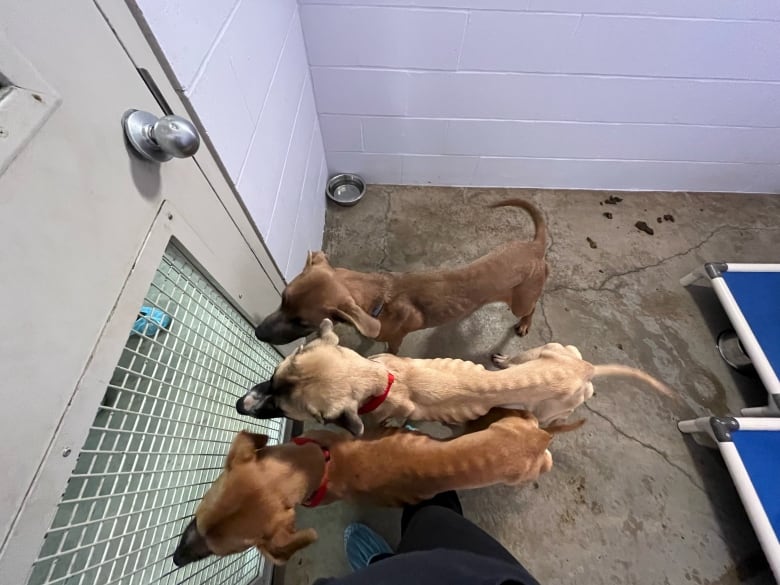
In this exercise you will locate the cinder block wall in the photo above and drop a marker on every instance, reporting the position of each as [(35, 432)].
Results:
[(648, 94), (242, 64)]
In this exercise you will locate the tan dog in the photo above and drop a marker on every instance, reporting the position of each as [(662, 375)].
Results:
[(252, 503), (387, 306), (325, 382)]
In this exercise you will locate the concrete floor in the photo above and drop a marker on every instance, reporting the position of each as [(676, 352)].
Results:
[(629, 500)]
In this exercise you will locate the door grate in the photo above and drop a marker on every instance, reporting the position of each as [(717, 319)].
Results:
[(158, 441)]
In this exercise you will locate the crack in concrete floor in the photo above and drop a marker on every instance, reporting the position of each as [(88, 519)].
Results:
[(638, 441), (603, 285)]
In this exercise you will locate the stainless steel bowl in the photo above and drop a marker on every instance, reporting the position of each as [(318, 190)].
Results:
[(732, 352), (345, 189)]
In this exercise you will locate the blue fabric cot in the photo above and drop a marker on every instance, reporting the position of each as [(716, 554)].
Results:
[(760, 453), (758, 297)]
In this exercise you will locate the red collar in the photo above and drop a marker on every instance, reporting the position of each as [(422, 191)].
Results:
[(376, 401), (319, 494)]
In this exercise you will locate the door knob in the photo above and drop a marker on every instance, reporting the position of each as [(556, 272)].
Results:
[(160, 139)]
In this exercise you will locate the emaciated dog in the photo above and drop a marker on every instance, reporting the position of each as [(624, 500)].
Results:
[(252, 503), (325, 382), (386, 306)]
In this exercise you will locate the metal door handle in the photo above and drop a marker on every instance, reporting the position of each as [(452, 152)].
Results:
[(160, 139)]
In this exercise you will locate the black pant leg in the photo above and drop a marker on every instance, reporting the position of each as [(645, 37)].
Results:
[(439, 523), (449, 500)]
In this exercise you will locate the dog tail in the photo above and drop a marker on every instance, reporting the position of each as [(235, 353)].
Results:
[(539, 225), (629, 372), (564, 428)]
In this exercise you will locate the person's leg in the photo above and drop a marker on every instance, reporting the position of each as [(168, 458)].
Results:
[(434, 523), (364, 546), (439, 523), (449, 500)]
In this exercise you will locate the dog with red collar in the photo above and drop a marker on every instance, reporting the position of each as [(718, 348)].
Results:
[(252, 503), (325, 382)]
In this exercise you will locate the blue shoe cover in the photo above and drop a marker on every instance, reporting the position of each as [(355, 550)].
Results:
[(362, 544)]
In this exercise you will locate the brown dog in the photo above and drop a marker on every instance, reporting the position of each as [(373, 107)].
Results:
[(252, 503), (325, 382), (387, 306)]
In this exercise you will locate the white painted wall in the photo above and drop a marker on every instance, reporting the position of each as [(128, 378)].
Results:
[(242, 64), (598, 94)]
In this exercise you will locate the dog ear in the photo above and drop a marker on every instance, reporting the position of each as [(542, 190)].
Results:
[(314, 258), (285, 544), (244, 448), (326, 333), (362, 321), (315, 414), (350, 420)]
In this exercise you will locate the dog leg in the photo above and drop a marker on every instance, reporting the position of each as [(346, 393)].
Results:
[(492, 416), (285, 544), (547, 462), (501, 361), (524, 324), (524, 298)]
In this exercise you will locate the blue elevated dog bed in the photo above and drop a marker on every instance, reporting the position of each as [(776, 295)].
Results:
[(750, 295), (751, 449)]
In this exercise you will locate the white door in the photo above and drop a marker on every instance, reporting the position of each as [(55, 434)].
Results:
[(90, 233)]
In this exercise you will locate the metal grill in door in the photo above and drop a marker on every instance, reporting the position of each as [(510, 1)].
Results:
[(158, 441)]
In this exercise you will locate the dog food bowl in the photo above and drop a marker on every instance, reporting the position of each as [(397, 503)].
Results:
[(346, 189), (733, 353)]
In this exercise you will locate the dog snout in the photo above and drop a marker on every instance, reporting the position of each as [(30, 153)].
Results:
[(245, 403), (259, 403), (253, 400), (192, 546), (182, 557), (278, 329)]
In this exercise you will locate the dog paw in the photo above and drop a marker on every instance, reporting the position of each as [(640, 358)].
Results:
[(521, 329), (499, 360)]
